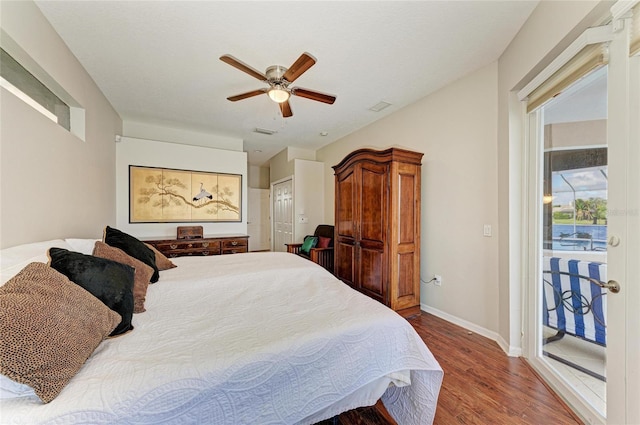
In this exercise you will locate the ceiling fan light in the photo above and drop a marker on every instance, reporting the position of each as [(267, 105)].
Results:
[(279, 95)]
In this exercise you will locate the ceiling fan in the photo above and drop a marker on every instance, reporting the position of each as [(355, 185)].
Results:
[(279, 78)]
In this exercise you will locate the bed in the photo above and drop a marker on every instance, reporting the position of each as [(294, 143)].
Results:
[(257, 338)]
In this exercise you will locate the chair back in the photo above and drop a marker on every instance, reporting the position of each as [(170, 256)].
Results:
[(326, 231)]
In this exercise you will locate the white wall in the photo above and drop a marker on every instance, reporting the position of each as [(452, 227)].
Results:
[(456, 129), (258, 177), (132, 151), (183, 136), (280, 166), (52, 184), (308, 197)]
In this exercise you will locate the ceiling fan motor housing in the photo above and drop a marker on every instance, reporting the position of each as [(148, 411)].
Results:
[(275, 73)]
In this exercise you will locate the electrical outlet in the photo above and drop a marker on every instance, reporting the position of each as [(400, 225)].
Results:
[(438, 280)]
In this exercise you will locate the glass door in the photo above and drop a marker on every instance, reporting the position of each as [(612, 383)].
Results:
[(573, 252), (582, 238)]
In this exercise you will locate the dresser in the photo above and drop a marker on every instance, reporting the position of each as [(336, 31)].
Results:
[(208, 245), (377, 226)]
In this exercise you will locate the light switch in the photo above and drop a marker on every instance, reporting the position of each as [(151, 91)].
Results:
[(487, 230)]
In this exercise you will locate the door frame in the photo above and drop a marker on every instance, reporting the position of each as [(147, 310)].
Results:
[(271, 212), (623, 387)]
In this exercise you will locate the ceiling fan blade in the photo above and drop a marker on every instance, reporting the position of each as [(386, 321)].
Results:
[(313, 95), (246, 95), (285, 108), (300, 66), (243, 67)]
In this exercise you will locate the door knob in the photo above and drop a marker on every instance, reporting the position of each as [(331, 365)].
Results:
[(612, 286)]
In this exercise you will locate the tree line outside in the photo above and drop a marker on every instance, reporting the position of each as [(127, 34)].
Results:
[(588, 211)]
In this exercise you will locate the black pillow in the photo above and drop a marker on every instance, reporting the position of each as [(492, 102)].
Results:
[(133, 247), (109, 281)]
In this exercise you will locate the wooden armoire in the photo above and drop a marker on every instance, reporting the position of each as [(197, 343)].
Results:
[(377, 226)]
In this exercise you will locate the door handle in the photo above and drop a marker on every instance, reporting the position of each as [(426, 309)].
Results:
[(612, 286)]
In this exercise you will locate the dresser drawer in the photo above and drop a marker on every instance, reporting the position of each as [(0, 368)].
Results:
[(201, 246), (234, 246), (179, 248), (236, 250)]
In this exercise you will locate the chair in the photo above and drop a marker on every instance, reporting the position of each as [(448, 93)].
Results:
[(574, 303), (321, 256)]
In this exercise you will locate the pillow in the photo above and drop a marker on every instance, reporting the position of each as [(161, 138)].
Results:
[(109, 281), (309, 242), (83, 246), (14, 259), (323, 242), (141, 275), (162, 261), (49, 328), (133, 247)]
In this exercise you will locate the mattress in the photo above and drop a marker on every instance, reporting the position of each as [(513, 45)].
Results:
[(257, 338)]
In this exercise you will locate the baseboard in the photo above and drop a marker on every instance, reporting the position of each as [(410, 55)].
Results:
[(509, 350)]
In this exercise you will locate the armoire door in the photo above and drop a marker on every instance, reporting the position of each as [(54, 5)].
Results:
[(345, 243), (372, 203)]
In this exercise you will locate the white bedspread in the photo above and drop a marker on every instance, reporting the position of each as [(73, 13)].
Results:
[(258, 338)]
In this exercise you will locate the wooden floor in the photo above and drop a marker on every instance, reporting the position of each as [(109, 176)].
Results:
[(482, 385)]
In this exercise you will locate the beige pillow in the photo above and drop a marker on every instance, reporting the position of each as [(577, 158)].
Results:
[(49, 327), (162, 262), (141, 276)]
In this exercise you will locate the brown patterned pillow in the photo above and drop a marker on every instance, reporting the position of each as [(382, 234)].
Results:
[(141, 276), (49, 328), (162, 261)]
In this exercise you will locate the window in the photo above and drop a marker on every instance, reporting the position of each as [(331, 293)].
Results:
[(576, 202), (19, 81)]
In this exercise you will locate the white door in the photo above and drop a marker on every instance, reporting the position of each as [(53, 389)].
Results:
[(619, 248), (258, 224), (282, 195)]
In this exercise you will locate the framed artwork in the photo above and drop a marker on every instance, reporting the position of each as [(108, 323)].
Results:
[(161, 195)]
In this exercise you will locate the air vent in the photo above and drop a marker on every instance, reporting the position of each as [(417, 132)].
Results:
[(380, 106), (264, 131)]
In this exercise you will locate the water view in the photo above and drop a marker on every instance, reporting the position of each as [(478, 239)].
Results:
[(579, 237)]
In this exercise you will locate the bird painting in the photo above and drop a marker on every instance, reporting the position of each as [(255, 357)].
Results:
[(202, 194)]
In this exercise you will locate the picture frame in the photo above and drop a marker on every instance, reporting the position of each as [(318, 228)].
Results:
[(168, 195)]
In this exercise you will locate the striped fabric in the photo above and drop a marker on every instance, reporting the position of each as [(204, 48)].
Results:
[(571, 303)]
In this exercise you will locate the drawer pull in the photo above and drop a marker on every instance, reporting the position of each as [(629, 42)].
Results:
[(205, 244), (173, 246), (234, 243), (205, 252)]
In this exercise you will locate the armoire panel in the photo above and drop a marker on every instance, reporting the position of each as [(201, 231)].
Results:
[(385, 209)]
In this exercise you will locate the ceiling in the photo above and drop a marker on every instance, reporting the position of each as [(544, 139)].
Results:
[(157, 62)]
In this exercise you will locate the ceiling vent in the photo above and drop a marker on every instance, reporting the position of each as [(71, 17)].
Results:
[(380, 106), (264, 131)]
